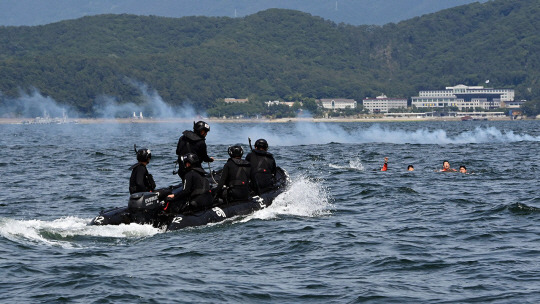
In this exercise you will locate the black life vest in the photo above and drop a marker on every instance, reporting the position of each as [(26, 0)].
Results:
[(148, 180), (241, 177), (205, 184), (262, 166)]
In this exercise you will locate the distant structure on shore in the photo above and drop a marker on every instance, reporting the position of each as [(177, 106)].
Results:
[(137, 117), (46, 119), (277, 102), (236, 100), (381, 104), (338, 103), (464, 97)]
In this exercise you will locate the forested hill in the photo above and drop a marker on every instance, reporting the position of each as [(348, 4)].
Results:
[(272, 54)]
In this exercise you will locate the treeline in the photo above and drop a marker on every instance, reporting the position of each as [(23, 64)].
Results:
[(275, 54)]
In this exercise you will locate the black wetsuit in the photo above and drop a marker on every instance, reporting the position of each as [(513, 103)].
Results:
[(196, 191), (235, 176), (191, 142), (263, 170), (140, 180)]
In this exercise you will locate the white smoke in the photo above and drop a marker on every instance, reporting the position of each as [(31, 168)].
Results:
[(152, 106), (309, 133), (376, 134), (33, 104)]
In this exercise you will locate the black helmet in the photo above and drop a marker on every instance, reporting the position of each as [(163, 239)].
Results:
[(144, 155), (261, 143), (200, 125), (235, 151), (191, 158)]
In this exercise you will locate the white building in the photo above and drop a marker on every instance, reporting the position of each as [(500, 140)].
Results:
[(338, 103), (515, 104), (236, 100), (277, 102), (462, 97), (382, 104), (272, 103)]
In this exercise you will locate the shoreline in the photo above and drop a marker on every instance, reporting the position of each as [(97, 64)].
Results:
[(219, 120)]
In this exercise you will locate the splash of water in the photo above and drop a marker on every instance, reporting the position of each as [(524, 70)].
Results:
[(55, 233), (305, 197), (354, 164)]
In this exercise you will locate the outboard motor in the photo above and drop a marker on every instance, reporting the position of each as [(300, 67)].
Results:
[(144, 206), (144, 201)]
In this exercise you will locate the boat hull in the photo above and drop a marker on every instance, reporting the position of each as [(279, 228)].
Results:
[(146, 210)]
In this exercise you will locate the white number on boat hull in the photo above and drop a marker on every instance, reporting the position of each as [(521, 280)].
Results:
[(177, 220), (219, 212), (99, 220), (261, 202)]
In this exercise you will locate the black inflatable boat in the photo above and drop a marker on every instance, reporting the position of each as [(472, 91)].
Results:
[(148, 208)]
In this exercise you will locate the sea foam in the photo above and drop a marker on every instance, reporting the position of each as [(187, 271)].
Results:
[(60, 232)]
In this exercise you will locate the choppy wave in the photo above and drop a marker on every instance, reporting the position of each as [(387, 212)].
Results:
[(438, 237), (61, 231)]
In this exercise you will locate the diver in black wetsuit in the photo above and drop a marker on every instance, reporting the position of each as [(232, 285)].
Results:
[(196, 191), (193, 142), (235, 176), (263, 167), (141, 180)]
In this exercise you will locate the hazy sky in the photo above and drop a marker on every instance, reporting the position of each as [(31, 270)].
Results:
[(36, 12)]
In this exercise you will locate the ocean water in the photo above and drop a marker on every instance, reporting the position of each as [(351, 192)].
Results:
[(344, 232)]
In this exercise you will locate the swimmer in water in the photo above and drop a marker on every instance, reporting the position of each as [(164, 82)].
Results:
[(446, 167), (410, 168), (385, 165)]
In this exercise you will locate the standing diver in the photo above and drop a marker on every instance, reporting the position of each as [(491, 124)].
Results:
[(235, 176), (263, 167), (141, 180), (193, 142), (196, 189)]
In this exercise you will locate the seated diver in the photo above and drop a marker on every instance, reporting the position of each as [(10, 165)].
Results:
[(235, 176), (263, 167), (195, 194), (141, 180)]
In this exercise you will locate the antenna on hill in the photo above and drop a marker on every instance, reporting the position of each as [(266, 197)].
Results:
[(336, 5), (234, 13)]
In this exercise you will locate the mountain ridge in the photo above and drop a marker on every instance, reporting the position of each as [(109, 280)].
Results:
[(272, 54)]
